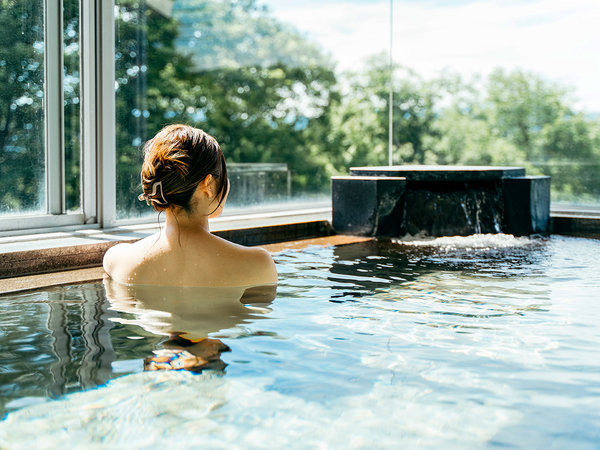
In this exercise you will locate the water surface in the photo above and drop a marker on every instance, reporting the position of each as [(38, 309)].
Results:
[(484, 341)]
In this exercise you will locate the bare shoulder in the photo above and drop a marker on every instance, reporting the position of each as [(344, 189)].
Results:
[(260, 264), (120, 259), (113, 255)]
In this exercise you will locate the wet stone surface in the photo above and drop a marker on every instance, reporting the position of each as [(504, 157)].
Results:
[(367, 206), (452, 212), (441, 201), (441, 173)]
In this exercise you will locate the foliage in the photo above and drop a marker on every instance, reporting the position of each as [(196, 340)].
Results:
[(71, 100), (225, 34), (21, 113), (521, 118), (270, 95), (264, 111)]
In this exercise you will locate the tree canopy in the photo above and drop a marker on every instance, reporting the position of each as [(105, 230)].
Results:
[(269, 94)]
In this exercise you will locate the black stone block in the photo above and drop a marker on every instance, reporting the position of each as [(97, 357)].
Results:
[(367, 206), (526, 205), (443, 210)]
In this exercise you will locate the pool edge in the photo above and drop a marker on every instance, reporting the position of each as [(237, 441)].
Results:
[(35, 269), (33, 282)]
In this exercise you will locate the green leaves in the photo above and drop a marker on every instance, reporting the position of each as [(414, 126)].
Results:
[(270, 94)]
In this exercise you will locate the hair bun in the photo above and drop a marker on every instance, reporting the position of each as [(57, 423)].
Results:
[(176, 160)]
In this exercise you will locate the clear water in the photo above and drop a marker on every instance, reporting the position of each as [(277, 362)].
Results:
[(484, 341)]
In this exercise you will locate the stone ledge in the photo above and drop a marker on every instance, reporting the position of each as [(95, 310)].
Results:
[(526, 205), (422, 173), (440, 201), (77, 276), (33, 282), (576, 225), (367, 206), (44, 260)]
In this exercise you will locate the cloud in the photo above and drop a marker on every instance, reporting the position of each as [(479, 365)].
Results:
[(554, 38)]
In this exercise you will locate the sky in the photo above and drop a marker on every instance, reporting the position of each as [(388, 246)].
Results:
[(558, 39)]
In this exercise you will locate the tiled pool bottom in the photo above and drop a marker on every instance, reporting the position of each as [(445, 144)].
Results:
[(482, 341)]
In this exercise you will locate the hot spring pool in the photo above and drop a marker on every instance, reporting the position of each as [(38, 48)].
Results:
[(484, 341)]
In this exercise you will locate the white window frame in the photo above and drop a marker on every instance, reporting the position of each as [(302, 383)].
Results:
[(96, 31), (105, 112), (54, 133)]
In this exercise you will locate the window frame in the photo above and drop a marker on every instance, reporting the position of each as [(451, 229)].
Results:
[(96, 36), (54, 177)]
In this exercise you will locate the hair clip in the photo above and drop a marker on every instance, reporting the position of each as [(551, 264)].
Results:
[(156, 188)]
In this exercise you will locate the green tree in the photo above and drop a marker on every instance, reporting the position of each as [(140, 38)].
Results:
[(571, 156), (360, 125), (519, 118), (225, 34), (150, 83), (71, 100), (538, 117), (521, 104), (272, 110), (465, 140), (464, 134), (21, 106)]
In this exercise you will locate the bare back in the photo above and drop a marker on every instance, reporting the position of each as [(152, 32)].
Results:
[(193, 259)]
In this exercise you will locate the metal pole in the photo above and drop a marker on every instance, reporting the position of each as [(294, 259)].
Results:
[(391, 99)]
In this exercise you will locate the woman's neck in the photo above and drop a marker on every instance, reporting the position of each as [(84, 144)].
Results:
[(178, 221)]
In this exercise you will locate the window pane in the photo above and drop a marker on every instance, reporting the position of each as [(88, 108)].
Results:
[(505, 83), (71, 98), (280, 85), (575, 182), (22, 164), (135, 25)]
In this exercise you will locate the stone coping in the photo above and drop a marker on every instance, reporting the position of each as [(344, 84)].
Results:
[(587, 226), (367, 177), (65, 257), (92, 274), (82, 235), (424, 173)]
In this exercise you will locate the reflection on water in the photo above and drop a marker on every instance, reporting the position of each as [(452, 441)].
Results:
[(188, 312), (187, 315), (79, 337), (82, 337), (464, 342), (441, 279), (53, 342), (193, 355)]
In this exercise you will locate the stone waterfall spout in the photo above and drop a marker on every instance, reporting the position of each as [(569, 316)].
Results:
[(440, 201)]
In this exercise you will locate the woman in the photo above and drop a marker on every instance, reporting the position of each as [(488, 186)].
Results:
[(184, 175)]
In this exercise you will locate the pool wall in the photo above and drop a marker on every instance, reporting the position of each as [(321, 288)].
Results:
[(59, 258), (33, 269)]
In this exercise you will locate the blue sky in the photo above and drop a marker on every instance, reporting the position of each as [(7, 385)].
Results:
[(555, 38)]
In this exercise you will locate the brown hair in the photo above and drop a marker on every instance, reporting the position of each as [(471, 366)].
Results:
[(176, 160)]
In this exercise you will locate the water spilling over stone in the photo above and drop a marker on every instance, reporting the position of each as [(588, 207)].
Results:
[(440, 201)]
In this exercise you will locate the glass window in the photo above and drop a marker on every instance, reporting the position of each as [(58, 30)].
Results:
[(22, 159), (277, 83), (295, 92), (501, 84), (135, 87), (71, 101)]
